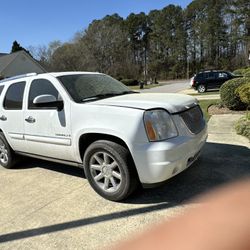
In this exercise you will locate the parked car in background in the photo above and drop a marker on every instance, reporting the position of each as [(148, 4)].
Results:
[(211, 79), (119, 137)]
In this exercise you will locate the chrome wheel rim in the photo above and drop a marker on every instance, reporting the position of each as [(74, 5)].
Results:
[(3, 154), (201, 88), (106, 172)]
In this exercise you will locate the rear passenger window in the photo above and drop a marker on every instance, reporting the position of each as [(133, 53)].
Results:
[(14, 96), (211, 75), (40, 87)]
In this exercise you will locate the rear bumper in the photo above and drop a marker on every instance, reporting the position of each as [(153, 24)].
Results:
[(158, 161)]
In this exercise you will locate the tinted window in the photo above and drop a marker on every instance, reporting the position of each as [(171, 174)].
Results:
[(1, 89), (14, 96), (40, 87), (206, 75), (211, 75), (222, 75), (200, 75)]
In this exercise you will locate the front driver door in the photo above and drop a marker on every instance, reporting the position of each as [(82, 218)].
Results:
[(222, 77), (47, 130)]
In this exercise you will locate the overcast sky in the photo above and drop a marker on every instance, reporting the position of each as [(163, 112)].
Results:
[(34, 23)]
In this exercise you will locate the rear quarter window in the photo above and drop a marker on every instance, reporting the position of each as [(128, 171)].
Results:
[(199, 76)]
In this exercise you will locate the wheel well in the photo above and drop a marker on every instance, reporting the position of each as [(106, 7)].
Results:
[(87, 139)]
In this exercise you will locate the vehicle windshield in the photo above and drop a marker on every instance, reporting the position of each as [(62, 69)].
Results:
[(91, 87)]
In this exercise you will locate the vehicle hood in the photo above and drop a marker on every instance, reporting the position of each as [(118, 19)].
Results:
[(173, 103)]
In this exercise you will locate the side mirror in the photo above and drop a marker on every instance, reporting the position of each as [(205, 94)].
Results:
[(48, 101)]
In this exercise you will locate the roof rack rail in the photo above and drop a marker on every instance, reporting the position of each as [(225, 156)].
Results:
[(17, 77)]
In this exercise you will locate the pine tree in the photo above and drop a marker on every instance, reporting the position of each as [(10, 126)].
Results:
[(17, 47)]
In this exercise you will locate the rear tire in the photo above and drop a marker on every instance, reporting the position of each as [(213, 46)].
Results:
[(202, 88), (7, 155), (110, 170)]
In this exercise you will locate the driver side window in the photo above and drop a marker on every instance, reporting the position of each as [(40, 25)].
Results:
[(40, 87), (222, 75)]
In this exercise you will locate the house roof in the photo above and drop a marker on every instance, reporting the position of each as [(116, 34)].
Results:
[(3, 54), (7, 59)]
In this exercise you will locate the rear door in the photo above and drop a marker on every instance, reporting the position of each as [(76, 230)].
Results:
[(211, 80), (11, 115)]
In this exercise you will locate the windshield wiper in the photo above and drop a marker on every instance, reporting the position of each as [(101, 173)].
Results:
[(102, 96), (97, 97)]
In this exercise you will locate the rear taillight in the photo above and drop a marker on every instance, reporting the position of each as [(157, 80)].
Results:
[(192, 82)]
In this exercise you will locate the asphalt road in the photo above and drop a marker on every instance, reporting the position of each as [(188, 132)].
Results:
[(169, 87), (51, 206)]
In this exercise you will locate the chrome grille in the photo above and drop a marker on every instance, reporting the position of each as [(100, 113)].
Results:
[(194, 120)]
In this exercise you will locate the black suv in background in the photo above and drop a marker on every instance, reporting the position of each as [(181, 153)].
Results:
[(212, 79)]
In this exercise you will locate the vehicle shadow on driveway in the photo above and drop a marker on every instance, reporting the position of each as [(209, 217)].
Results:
[(27, 162), (218, 164)]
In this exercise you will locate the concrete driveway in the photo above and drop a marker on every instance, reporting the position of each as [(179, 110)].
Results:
[(169, 87), (51, 206), (182, 87)]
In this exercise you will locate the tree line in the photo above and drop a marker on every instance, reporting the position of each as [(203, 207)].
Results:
[(163, 44)]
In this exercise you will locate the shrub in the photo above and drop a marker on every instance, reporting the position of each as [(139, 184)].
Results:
[(243, 126), (239, 71), (244, 93), (247, 73), (229, 98), (242, 71), (130, 82)]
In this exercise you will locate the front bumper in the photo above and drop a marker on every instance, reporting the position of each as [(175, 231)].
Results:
[(158, 161)]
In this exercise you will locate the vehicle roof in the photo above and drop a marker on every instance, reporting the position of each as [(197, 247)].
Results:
[(209, 71), (55, 74)]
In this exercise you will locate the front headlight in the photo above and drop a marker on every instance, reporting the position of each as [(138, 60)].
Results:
[(159, 125)]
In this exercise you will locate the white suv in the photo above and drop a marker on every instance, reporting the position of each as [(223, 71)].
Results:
[(119, 137)]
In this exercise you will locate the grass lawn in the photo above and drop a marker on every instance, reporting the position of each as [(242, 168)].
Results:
[(204, 104), (206, 93)]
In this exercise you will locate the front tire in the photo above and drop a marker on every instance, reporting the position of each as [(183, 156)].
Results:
[(109, 169), (7, 156), (202, 88)]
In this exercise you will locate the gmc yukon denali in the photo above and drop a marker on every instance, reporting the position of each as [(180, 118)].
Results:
[(120, 138)]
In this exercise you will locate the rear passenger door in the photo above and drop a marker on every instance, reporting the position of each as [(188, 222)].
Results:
[(11, 115), (211, 80)]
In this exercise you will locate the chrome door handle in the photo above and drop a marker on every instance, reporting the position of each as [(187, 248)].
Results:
[(30, 119), (3, 118)]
